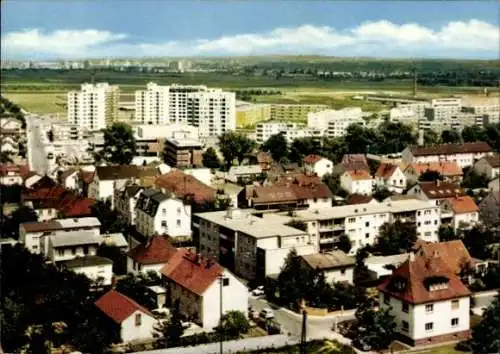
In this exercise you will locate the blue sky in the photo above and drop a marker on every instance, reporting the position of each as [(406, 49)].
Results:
[(123, 28)]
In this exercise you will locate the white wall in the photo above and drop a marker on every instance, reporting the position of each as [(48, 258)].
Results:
[(356, 186), (335, 275), (94, 272), (319, 203), (135, 268), (66, 253), (129, 331), (466, 218), (322, 167)]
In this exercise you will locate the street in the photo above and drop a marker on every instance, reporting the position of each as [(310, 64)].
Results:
[(37, 157)]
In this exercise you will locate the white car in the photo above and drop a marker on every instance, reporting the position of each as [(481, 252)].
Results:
[(266, 314), (258, 291)]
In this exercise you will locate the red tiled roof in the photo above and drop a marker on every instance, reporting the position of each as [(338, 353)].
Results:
[(118, 306), (358, 175), (192, 272), (385, 170), (159, 250), (182, 185), (464, 204), (300, 179), (451, 149), (453, 253), (441, 190), (445, 169), (286, 193), (359, 199), (21, 170), (410, 281), (311, 159)]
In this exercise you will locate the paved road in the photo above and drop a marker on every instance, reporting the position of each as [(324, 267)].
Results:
[(482, 300), (37, 157)]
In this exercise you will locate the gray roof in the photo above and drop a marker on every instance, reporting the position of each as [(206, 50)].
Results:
[(86, 262), (117, 240), (74, 238), (150, 199), (329, 260), (60, 224)]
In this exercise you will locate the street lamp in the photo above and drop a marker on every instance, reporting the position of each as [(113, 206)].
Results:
[(223, 281)]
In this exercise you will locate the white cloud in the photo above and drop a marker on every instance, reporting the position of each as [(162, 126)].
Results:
[(377, 38)]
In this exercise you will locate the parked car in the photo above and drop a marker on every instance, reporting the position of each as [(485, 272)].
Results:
[(266, 314), (258, 291)]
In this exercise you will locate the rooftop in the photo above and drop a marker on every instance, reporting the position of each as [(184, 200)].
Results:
[(464, 204), (329, 260), (184, 142), (312, 159), (60, 224), (359, 175), (385, 170), (74, 238), (440, 190), (118, 306), (157, 250), (493, 161), (454, 253), (446, 169), (87, 261), (184, 185), (450, 149), (124, 171)]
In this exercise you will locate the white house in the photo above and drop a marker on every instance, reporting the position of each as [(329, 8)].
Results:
[(241, 172), (463, 154), (197, 283), (318, 165), (460, 212), (151, 256), (98, 269), (336, 265), (69, 178), (126, 201), (70, 245), (428, 300), (488, 166), (10, 126), (160, 213), (391, 177), (12, 174), (357, 182), (136, 322), (382, 266)]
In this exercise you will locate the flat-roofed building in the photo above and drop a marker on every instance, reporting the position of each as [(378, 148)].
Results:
[(182, 151)]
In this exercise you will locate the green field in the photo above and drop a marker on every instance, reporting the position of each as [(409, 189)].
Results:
[(39, 102)]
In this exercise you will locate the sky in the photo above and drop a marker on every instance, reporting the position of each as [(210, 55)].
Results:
[(77, 29)]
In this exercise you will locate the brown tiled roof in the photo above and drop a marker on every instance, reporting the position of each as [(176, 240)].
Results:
[(286, 193), (385, 170), (124, 171), (183, 185), (329, 260), (118, 306), (464, 204), (158, 250), (311, 159), (445, 168), (454, 253), (358, 175), (451, 149), (355, 162), (410, 281), (298, 178), (440, 190), (493, 161), (192, 272), (359, 199), (37, 226)]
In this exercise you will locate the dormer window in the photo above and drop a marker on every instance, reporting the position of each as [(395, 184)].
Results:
[(436, 283)]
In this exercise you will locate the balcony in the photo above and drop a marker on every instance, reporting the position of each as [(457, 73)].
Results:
[(331, 227)]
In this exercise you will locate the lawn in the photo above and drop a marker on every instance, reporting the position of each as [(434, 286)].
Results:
[(445, 349), (39, 102)]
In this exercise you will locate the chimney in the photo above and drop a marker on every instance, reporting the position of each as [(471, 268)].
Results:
[(438, 182), (411, 256)]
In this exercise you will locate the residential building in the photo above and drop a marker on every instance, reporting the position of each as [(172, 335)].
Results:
[(181, 151), (336, 265), (152, 105), (150, 257), (64, 131), (183, 186), (318, 165), (291, 131), (382, 266), (11, 126), (197, 284), (135, 322), (443, 109), (69, 245), (488, 166), (237, 173), (13, 174), (489, 209), (98, 269), (294, 112), (69, 178), (391, 177), (94, 106), (494, 185), (250, 113), (252, 246), (8, 145), (449, 170), (463, 154), (351, 162), (125, 201), (459, 212), (362, 222), (107, 178), (334, 123), (31, 233), (428, 300), (436, 191), (357, 182)]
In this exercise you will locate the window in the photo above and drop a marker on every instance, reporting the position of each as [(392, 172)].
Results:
[(85, 249), (454, 322), (367, 235), (429, 308), (73, 251), (164, 212), (60, 253), (404, 326), (225, 281), (387, 299), (178, 222), (163, 223), (455, 304), (138, 319), (429, 326), (342, 271), (405, 307), (178, 211), (351, 220), (367, 224)]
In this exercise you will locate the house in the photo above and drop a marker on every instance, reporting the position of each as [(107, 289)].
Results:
[(488, 166), (117, 240), (9, 146), (160, 212), (70, 245), (449, 170), (351, 162), (436, 191), (429, 301), (185, 186), (391, 177), (264, 160), (98, 269), (489, 209), (463, 154), (317, 165), (336, 265), (106, 178), (494, 185), (13, 174), (197, 284), (237, 173), (459, 212), (30, 233), (357, 182), (136, 322), (11, 126), (382, 266), (126, 201), (31, 178), (151, 256), (69, 179)]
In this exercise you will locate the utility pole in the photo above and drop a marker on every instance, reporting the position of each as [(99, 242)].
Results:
[(303, 337), (221, 284)]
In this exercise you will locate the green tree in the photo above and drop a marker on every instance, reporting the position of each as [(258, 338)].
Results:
[(171, 330), (486, 335), (431, 138), (447, 233), (233, 324), (478, 239), (234, 146), (210, 159), (361, 271), (344, 243), (277, 146), (116, 255), (473, 180), (333, 183), (302, 147), (396, 238), (360, 140), (375, 327), (381, 194), (5, 157), (119, 144), (473, 133), (18, 216), (395, 137), (430, 176), (450, 137), (111, 220), (135, 287)]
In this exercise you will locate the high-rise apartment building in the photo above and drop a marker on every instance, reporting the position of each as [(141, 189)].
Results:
[(334, 123), (94, 106), (211, 110)]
